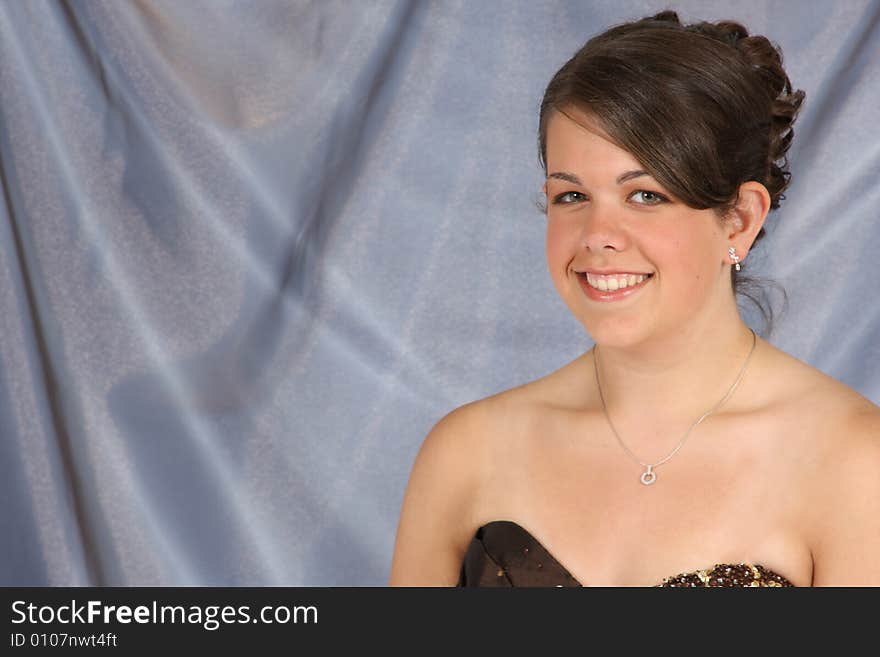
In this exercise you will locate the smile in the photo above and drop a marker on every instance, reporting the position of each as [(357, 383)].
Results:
[(614, 282), (612, 287)]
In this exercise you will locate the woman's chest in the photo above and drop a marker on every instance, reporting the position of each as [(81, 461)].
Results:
[(730, 496)]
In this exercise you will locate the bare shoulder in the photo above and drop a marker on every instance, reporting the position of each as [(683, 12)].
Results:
[(470, 440), (842, 487), (457, 473), (846, 504), (440, 504), (480, 429), (797, 390), (441, 481)]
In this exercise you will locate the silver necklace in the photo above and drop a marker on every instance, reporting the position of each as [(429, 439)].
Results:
[(649, 476)]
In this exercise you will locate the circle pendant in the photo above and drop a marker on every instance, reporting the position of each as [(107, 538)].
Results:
[(648, 476)]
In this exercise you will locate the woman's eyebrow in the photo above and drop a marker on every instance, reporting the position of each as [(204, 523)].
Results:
[(629, 175), (570, 177)]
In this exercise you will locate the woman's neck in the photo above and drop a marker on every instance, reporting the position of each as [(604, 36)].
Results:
[(675, 379)]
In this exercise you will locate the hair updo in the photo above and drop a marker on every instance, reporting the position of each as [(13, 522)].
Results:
[(703, 107)]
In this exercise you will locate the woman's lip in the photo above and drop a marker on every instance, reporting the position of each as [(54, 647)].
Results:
[(616, 295)]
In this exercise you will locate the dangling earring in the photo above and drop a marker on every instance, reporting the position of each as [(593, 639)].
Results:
[(732, 252)]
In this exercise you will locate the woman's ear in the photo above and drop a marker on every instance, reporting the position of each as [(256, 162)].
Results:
[(747, 216)]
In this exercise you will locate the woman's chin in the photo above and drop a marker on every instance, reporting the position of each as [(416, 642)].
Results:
[(615, 335)]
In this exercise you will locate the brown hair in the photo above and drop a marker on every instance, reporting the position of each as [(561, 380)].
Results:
[(703, 107)]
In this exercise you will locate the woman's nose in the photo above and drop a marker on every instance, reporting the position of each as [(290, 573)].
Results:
[(602, 229)]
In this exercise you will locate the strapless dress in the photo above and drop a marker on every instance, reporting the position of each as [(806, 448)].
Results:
[(504, 554)]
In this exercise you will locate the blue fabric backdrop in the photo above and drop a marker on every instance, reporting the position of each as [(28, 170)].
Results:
[(251, 252)]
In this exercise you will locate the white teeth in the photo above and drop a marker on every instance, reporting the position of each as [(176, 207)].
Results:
[(607, 284)]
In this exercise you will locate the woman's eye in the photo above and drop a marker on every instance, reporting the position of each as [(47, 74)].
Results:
[(644, 197), (568, 197)]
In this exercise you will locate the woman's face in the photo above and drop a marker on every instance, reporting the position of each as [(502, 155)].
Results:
[(605, 217)]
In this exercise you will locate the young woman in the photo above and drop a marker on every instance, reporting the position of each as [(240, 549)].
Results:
[(682, 449)]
